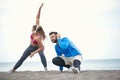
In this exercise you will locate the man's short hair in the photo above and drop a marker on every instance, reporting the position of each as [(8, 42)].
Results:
[(53, 32)]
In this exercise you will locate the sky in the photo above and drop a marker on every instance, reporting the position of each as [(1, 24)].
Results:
[(92, 25)]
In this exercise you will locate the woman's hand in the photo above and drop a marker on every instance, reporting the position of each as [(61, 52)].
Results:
[(41, 6), (32, 54), (38, 15)]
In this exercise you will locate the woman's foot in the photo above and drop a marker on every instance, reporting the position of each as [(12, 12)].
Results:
[(12, 70), (45, 69)]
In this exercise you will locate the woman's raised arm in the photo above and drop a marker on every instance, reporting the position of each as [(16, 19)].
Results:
[(38, 15)]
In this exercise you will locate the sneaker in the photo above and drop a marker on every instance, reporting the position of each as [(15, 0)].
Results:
[(12, 71), (70, 69), (45, 69), (76, 70)]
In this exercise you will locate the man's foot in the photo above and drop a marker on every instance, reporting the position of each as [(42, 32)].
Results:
[(76, 70), (70, 69)]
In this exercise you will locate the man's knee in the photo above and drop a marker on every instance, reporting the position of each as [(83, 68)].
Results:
[(58, 61), (76, 63), (54, 60)]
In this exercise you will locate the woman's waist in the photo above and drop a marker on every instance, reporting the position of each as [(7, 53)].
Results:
[(34, 45)]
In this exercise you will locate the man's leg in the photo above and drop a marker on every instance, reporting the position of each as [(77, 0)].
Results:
[(76, 63), (60, 62)]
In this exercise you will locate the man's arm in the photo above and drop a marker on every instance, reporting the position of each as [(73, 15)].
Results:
[(63, 44), (61, 68)]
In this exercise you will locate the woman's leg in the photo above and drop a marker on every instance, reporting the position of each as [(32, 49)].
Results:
[(43, 60), (26, 53)]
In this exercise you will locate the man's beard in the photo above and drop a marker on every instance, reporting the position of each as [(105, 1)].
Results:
[(55, 41)]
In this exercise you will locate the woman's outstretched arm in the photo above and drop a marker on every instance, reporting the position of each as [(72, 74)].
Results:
[(38, 15)]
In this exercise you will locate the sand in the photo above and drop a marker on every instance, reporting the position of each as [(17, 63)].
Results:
[(56, 75)]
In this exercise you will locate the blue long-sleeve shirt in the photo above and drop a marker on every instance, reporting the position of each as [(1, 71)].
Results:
[(66, 47)]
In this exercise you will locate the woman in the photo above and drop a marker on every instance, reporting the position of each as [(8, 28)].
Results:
[(36, 45)]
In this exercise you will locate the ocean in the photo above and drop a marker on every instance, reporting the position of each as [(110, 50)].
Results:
[(106, 64)]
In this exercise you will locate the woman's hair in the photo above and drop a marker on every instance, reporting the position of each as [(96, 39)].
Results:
[(40, 30)]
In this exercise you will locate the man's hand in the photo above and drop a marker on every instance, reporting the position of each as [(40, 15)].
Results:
[(58, 36)]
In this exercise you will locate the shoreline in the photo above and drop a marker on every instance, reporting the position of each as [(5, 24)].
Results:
[(66, 75)]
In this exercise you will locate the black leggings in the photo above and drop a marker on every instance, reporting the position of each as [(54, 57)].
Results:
[(60, 62), (26, 53)]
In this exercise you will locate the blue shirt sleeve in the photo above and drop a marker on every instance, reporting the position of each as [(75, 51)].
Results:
[(63, 43), (57, 51), (61, 68)]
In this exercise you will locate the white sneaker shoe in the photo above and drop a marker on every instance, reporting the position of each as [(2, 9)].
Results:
[(11, 71), (76, 70), (45, 69), (70, 69)]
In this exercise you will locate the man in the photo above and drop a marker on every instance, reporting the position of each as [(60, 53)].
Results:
[(68, 54)]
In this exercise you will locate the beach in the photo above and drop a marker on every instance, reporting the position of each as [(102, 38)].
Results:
[(66, 75)]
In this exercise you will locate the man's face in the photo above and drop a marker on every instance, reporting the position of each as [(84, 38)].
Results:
[(53, 38)]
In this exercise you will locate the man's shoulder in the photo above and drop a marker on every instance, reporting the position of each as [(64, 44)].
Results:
[(64, 38)]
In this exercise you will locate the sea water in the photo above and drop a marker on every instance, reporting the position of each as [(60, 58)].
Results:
[(107, 64)]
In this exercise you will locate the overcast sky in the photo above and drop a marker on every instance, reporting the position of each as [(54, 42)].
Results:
[(93, 25)]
